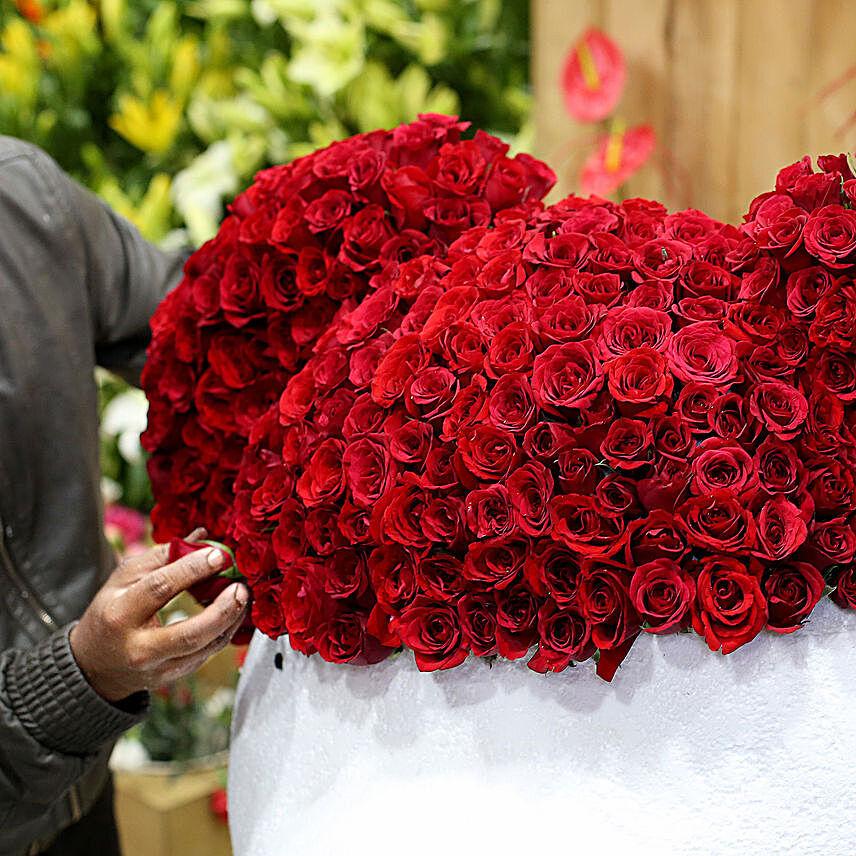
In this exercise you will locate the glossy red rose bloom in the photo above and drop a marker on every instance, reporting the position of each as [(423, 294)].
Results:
[(432, 630), (845, 587), (530, 488), (730, 608), (563, 635), (718, 521), (640, 381), (702, 353), (662, 592), (793, 589), (604, 598), (830, 236), (567, 375), (779, 407), (720, 464), (781, 530)]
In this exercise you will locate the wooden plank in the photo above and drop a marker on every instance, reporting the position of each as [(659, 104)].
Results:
[(698, 132), (556, 26), (831, 55), (642, 31), (774, 54), (727, 84)]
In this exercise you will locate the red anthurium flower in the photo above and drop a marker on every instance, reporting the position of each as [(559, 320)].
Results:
[(618, 155), (593, 77)]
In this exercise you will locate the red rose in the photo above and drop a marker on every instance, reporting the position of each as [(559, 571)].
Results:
[(793, 589), (662, 258), (616, 495), (701, 353), (672, 438), (830, 236), (662, 593), (431, 392), (570, 319), (728, 416), (578, 471), (409, 442), (836, 370), (805, 287), (780, 470), (478, 622), (721, 463), (441, 576), (551, 568), (730, 608), (398, 516), (779, 407), (566, 375), (511, 405), (487, 452), (495, 562), (581, 526), (393, 577), (628, 444), (362, 237), (654, 537), (489, 512), (323, 480), (844, 594), (832, 486), (345, 574), (545, 440), (530, 489), (403, 360), (626, 328), (516, 621), (604, 599), (368, 470), (718, 521), (288, 539), (639, 380), (432, 630), (266, 612), (563, 635), (781, 530), (835, 318), (467, 409)]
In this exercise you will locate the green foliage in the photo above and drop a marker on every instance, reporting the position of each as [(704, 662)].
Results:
[(168, 108)]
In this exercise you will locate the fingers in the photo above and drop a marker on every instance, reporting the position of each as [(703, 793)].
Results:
[(181, 667), (192, 635), (138, 566), (155, 589)]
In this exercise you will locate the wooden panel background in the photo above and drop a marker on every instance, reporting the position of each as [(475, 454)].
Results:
[(729, 86)]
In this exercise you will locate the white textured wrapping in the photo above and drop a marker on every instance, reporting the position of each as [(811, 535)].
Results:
[(685, 752)]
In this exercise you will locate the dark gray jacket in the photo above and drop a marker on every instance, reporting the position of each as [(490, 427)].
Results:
[(77, 288)]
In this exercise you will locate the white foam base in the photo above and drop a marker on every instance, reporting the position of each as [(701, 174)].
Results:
[(685, 752)]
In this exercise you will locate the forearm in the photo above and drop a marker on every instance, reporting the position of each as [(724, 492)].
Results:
[(52, 726)]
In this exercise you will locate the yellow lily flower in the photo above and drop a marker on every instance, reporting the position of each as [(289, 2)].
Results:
[(151, 127)]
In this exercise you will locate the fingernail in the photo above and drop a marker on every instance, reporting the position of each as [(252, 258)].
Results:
[(241, 595), (216, 558)]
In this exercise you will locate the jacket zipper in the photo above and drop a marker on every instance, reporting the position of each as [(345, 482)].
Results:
[(26, 592), (32, 599)]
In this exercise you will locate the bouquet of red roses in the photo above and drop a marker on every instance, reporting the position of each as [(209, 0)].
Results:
[(428, 411)]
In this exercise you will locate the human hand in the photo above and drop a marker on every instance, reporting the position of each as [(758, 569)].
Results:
[(120, 644)]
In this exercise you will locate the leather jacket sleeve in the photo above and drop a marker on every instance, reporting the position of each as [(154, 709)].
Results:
[(55, 731)]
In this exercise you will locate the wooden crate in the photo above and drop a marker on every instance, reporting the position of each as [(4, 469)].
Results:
[(169, 815), (729, 86)]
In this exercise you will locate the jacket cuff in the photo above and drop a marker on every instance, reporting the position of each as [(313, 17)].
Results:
[(55, 703)]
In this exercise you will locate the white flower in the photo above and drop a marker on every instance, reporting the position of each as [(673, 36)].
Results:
[(128, 754), (198, 191), (125, 418)]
